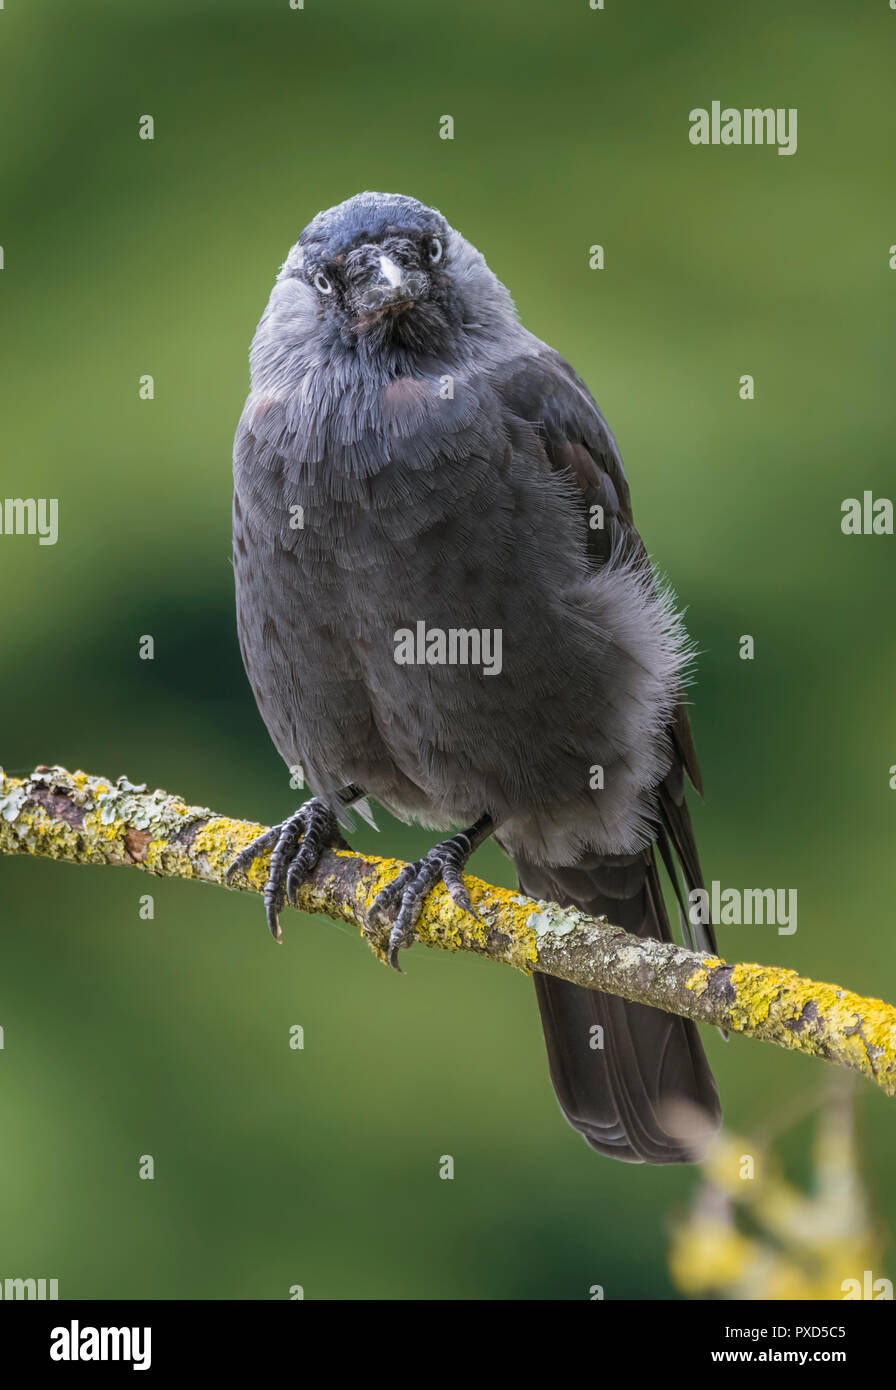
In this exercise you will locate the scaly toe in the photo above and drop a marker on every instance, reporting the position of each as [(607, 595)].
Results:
[(300, 869), (275, 889), (454, 858), (461, 898), (428, 874), (387, 897)]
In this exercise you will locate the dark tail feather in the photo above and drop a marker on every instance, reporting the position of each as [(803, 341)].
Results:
[(619, 1087)]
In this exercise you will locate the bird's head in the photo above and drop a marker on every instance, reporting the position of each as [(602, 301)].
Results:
[(381, 273)]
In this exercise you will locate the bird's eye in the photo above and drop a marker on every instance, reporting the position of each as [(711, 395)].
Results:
[(435, 251), (322, 284)]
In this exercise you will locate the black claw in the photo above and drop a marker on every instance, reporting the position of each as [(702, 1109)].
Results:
[(273, 906), (297, 846), (465, 902)]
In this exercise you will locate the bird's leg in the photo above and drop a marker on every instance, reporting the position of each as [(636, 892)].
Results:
[(297, 845), (444, 863)]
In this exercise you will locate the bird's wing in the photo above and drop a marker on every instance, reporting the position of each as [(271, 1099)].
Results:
[(615, 1096), (544, 390)]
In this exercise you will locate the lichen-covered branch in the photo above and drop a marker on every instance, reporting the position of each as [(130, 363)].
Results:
[(91, 820)]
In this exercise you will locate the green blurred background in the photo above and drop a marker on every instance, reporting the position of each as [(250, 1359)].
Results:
[(122, 257)]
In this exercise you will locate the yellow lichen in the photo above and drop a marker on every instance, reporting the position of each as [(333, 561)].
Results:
[(446, 925), (154, 857), (222, 838), (817, 1018)]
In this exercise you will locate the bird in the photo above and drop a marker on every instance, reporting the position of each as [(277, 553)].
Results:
[(443, 604)]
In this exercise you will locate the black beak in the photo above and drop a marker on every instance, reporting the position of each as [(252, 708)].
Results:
[(388, 286)]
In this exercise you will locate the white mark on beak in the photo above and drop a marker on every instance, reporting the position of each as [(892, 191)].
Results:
[(389, 271)]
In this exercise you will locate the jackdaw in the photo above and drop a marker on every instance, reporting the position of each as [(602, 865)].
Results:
[(443, 603)]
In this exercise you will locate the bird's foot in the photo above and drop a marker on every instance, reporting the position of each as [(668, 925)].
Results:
[(296, 846), (443, 864)]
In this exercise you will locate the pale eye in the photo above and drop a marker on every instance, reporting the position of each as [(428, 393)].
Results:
[(322, 284), (435, 251)]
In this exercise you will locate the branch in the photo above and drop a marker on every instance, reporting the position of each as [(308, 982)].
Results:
[(89, 820)]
